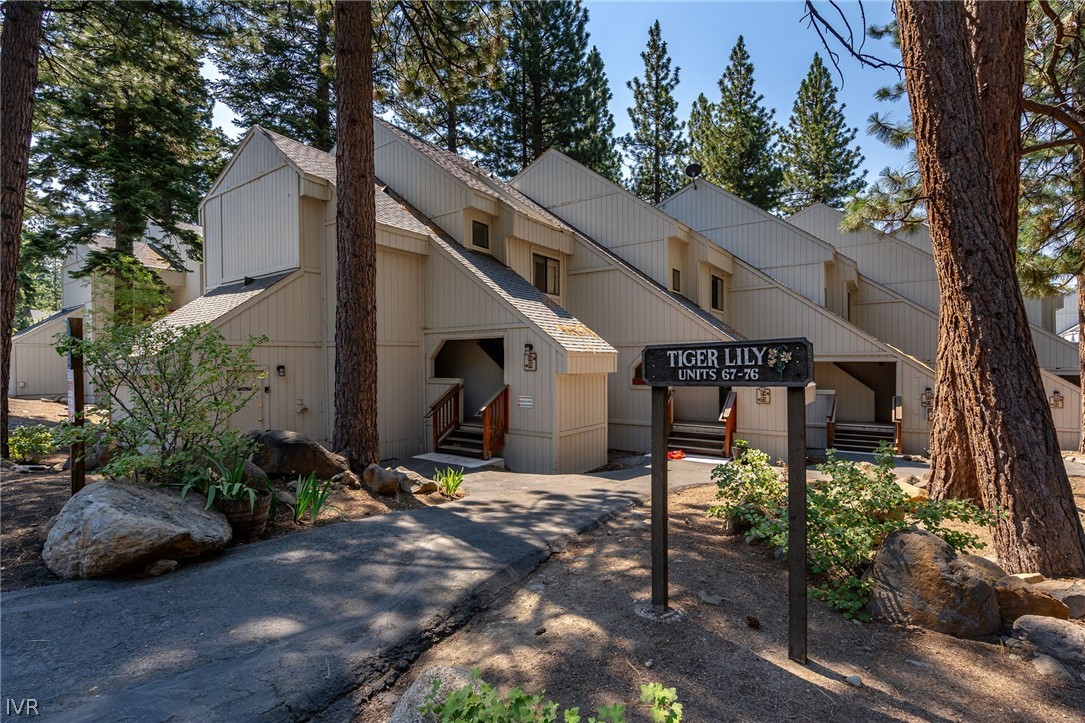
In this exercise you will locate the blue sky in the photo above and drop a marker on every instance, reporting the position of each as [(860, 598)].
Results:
[(699, 38)]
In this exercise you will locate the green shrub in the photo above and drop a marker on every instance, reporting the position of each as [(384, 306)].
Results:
[(487, 705), (29, 443), (312, 497), (448, 481), (848, 516), (165, 395)]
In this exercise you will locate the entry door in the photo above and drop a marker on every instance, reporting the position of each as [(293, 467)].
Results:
[(255, 414)]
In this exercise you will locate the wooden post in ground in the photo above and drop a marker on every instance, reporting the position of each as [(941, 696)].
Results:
[(796, 524), (659, 499), (75, 405)]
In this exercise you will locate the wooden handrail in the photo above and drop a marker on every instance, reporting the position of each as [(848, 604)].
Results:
[(729, 419), (830, 424), (445, 413), (670, 411), (495, 422)]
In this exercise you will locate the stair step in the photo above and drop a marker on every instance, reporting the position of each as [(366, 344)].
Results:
[(460, 450), (697, 436)]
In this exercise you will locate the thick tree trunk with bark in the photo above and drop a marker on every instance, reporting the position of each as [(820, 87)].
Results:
[(356, 244), (1081, 355), (18, 75), (993, 35), (1009, 424)]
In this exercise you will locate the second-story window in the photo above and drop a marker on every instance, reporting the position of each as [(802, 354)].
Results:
[(717, 293), (547, 273), (480, 234), (676, 279)]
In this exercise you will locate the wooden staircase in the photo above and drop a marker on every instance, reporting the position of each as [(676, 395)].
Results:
[(465, 439), (703, 439), (481, 436), (862, 436)]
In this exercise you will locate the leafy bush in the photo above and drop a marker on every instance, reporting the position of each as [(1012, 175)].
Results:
[(312, 497), (487, 705), (29, 443), (224, 481), (166, 395), (848, 516), (448, 481)]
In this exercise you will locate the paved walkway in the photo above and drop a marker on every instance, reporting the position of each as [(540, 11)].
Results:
[(279, 630)]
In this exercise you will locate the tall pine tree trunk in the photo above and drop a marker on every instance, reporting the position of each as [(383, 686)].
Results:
[(1081, 356), (355, 432), (1009, 424), (19, 73), (998, 85)]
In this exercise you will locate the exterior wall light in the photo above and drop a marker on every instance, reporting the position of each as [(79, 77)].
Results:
[(1055, 399), (531, 359), (281, 370)]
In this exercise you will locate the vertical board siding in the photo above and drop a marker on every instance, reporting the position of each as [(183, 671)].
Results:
[(37, 370), (854, 400), (582, 422), (260, 226)]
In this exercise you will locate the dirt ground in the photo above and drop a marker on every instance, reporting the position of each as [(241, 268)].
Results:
[(571, 629), (27, 501)]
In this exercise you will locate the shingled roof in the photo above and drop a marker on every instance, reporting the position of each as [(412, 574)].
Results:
[(52, 317), (220, 301), (539, 309), (476, 178), (310, 160)]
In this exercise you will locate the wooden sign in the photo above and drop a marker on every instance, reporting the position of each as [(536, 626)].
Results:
[(762, 363)]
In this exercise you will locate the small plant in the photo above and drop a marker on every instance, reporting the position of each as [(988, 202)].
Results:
[(312, 498), (448, 481), (739, 448), (224, 481), (28, 444), (848, 516), (480, 702)]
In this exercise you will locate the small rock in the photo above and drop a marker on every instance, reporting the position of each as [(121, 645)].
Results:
[(854, 681), (378, 479), (1030, 577), (1017, 598), (292, 485), (540, 630), (648, 663), (1070, 591), (253, 475), (285, 498), (709, 598), (426, 488), (1060, 639), (537, 587), (160, 567), (1046, 665), (452, 678), (347, 479), (753, 622)]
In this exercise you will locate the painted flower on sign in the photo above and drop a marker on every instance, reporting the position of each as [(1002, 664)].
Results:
[(778, 358)]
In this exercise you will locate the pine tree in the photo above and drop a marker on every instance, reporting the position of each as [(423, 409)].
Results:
[(277, 68), (441, 94), (656, 145), (545, 99), (816, 149), (597, 148), (703, 134), (125, 130), (743, 157)]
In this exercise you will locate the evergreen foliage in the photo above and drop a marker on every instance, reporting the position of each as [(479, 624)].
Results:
[(551, 95), (278, 69), (816, 149), (738, 136), (436, 62), (123, 121), (656, 146)]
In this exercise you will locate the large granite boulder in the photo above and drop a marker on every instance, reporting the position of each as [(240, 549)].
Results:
[(1017, 598), (379, 480), (1062, 639), (918, 579), (452, 678), (110, 527), (289, 454)]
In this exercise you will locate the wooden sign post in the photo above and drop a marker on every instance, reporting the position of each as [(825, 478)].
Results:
[(75, 405), (785, 363)]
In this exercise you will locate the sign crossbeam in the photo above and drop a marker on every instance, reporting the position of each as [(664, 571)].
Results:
[(785, 363)]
